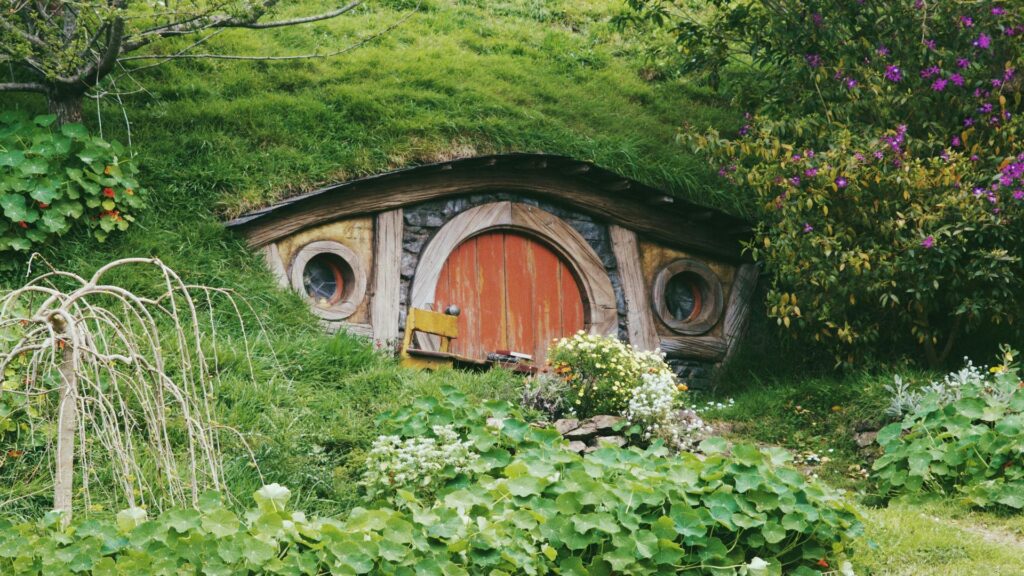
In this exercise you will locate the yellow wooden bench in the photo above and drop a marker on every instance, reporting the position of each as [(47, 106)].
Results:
[(446, 327)]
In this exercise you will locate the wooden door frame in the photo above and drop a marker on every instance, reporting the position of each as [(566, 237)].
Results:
[(599, 303)]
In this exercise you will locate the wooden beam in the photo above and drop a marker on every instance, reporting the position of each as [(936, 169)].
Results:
[(639, 320), (375, 196), (737, 313), (272, 256), (708, 348), (384, 308)]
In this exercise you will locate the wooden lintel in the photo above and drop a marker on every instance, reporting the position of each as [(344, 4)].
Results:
[(710, 348), (617, 186)]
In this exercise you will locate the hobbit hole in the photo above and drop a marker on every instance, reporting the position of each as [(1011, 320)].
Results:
[(528, 247)]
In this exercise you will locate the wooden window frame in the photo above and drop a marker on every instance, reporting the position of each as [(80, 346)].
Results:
[(354, 291), (710, 297)]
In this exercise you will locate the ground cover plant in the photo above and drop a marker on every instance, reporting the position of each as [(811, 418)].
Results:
[(525, 505), (963, 436)]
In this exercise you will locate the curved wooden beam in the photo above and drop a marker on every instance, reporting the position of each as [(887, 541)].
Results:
[(627, 208)]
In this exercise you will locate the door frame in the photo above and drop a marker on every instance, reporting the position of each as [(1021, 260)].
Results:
[(600, 312)]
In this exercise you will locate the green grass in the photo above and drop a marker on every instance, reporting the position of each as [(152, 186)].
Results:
[(819, 412)]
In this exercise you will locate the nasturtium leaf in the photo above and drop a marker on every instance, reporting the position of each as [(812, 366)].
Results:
[(220, 523), (714, 445), (773, 533)]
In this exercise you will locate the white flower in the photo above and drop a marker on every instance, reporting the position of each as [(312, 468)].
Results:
[(846, 569), (272, 497), (757, 565)]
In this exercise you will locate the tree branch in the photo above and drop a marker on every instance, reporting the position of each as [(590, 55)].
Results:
[(23, 87), (234, 23), (205, 22)]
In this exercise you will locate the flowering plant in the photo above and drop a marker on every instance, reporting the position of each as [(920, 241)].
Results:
[(50, 178), (602, 372), (416, 464), (886, 166)]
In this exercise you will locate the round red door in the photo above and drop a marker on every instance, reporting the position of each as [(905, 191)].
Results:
[(515, 294)]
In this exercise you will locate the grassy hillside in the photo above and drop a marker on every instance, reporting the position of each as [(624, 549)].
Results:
[(453, 79)]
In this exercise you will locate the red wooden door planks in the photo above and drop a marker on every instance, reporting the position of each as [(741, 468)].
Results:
[(515, 294)]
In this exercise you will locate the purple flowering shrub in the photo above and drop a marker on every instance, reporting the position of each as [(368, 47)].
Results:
[(888, 168)]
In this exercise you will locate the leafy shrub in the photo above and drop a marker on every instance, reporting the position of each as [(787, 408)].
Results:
[(52, 178), (884, 162), (529, 507), (904, 400), (964, 436), (601, 372)]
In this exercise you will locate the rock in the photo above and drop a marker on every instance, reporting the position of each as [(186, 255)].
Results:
[(605, 423), (577, 446), (865, 439), (433, 221), (586, 430), (565, 425), (610, 441), (590, 449)]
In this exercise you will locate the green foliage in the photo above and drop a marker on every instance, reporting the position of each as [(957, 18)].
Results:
[(530, 506), (886, 164), (967, 442), (52, 178)]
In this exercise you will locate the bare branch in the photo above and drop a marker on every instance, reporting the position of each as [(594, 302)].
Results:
[(23, 87), (182, 55), (259, 26)]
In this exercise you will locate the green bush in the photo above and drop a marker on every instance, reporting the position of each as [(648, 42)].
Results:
[(885, 162), (52, 178), (964, 436), (527, 506)]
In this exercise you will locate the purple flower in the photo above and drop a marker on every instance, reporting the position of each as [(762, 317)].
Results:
[(851, 83), (1008, 74), (939, 85), (985, 108), (963, 63), (893, 73), (928, 242), (983, 41), (956, 79), (811, 172), (998, 10), (996, 82), (859, 156), (1018, 194), (818, 19), (930, 44), (955, 142), (841, 182), (813, 60), (808, 228), (882, 51), (930, 71), (966, 21), (795, 180), (968, 122), (745, 130)]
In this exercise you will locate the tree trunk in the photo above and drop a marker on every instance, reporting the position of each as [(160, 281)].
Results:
[(67, 424), (67, 107)]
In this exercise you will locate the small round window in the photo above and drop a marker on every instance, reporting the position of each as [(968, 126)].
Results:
[(683, 296), (331, 276), (687, 297), (324, 279)]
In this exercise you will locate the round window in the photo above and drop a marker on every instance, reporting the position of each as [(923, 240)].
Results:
[(331, 276), (687, 297), (683, 296), (324, 279)]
